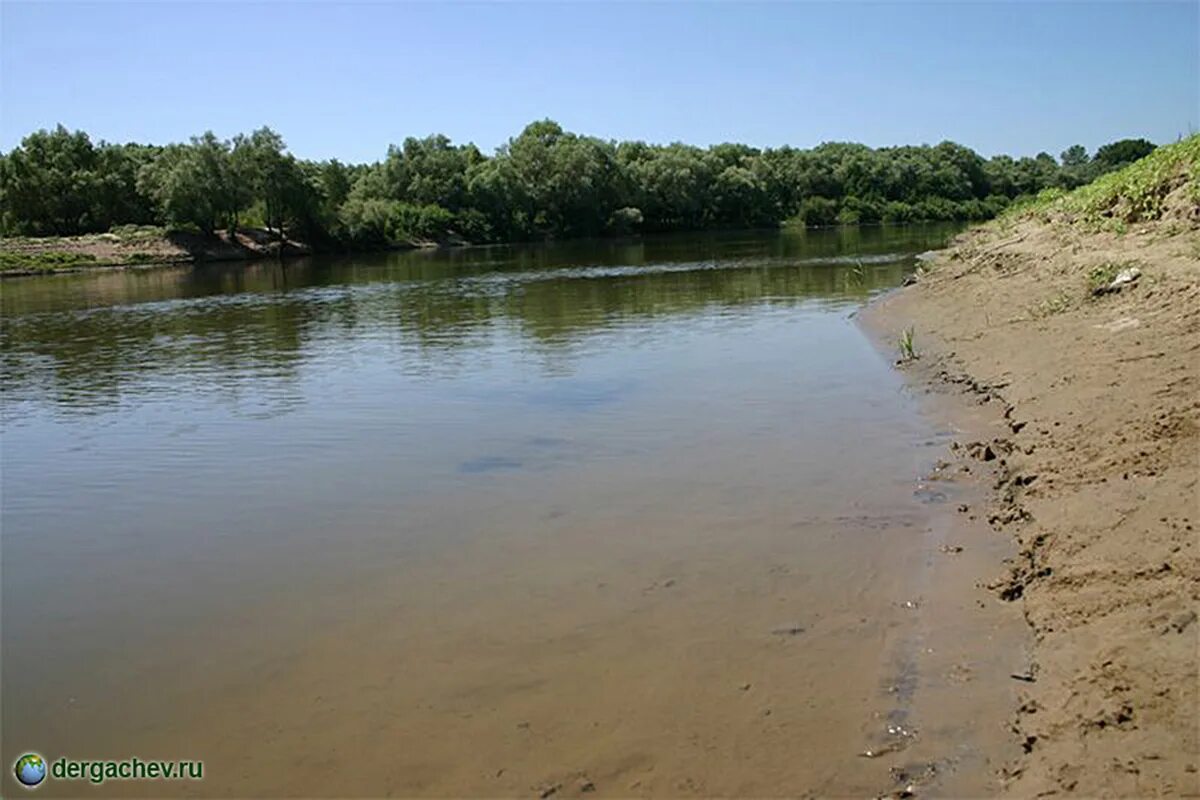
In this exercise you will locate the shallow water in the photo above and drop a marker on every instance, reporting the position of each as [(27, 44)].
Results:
[(477, 522)]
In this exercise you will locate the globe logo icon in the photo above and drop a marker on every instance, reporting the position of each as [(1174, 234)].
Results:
[(30, 769)]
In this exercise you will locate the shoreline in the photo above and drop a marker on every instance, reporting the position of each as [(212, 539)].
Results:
[(973, 648), (154, 248), (1094, 396)]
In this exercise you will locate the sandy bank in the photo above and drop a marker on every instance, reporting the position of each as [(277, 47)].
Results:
[(1098, 483), (134, 246)]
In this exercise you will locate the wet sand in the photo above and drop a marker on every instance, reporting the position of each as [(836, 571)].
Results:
[(1100, 457)]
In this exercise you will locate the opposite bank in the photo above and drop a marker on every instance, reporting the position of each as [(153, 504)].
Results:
[(145, 245)]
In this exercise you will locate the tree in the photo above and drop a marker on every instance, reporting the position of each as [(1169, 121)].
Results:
[(260, 164), (817, 211), (497, 192), (430, 171), (739, 199), (1074, 156), (672, 184), (544, 182), (1124, 151), (116, 199), (1077, 168), (49, 183), (571, 182), (199, 184), (335, 181)]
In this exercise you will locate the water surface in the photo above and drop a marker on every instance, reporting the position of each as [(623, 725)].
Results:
[(479, 522)]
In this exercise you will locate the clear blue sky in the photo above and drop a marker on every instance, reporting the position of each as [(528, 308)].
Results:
[(345, 79)]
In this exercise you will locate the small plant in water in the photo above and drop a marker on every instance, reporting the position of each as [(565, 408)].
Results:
[(908, 350), (857, 273)]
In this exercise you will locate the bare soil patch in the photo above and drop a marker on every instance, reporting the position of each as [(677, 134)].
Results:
[(137, 246)]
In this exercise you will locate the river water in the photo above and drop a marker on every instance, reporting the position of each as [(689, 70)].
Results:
[(633, 518)]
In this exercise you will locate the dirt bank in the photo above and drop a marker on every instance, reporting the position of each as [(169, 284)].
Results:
[(133, 245), (1098, 482)]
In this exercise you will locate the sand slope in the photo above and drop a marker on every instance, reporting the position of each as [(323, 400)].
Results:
[(1098, 485)]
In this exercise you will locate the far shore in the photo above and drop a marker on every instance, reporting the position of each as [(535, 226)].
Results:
[(150, 247), (143, 247)]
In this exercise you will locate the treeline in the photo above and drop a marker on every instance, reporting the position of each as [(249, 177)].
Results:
[(546, 182)]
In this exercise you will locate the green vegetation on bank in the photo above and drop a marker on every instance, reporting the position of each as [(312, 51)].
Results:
[(544, 183), (1139, 192), (908, 348), (44, 261)]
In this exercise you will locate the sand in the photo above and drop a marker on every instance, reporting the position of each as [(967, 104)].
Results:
[(1099, 458), (137, 247)]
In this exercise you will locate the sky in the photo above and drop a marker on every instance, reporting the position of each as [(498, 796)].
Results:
[(346, 79)]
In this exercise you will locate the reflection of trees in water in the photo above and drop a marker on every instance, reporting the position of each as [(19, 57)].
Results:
[(91, 340), (565, 308), (94, 358)]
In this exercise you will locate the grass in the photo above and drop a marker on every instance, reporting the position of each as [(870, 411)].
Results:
[(46, 261), (908, 350), (126, 234), (1135, 193), (857, 275), (137, 233), (1104, 274), (1032, 205), (1055, 304)]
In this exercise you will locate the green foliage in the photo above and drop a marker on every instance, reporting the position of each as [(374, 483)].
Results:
[(849, 215), (47, 261), (1056, 304), (270, 174), (545, 182), (1126, 151), (1077, 167), (136, 233), (907, 344), (897, 211), (425, 223), (1074, 156), (1032, 204), (1134, 193), (474, 226), (625, 220), (200, 184), (59, 183), (1137, 192), (940, 208), (994, 204), (380, 222), (1104, 274), (818, 211)]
